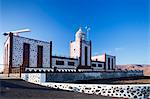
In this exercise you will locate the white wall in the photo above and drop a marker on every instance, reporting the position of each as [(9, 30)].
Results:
[(102, 59), (85, 44), (75, 49), (36, 78), (18, 51), (140, 91), (99, 58), (114, 62), (97, 68), (65, 63), (6, 57)]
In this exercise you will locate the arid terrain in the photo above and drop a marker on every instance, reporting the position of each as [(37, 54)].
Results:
[(145, 68)]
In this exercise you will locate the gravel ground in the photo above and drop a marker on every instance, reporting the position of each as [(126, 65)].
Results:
[(19, 89)]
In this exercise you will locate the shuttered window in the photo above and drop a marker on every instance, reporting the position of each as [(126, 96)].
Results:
[(40, 56), (94, 65), (59, 62), (99, 65), (71, 63), (108, 63), (26, 54)]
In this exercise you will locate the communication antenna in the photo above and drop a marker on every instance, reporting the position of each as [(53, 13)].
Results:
[(17, 32), (87, 31)]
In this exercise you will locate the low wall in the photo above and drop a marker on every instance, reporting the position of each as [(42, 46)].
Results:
[(76, 76), (36, 78), (124, 91), (72, 77), (141, 91)]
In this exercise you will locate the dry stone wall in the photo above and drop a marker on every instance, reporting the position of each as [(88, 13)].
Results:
[(141, 91)]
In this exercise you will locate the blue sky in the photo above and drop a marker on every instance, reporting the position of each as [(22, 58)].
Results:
[(118, 27)]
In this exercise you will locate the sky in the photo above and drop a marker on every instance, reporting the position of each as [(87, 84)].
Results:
[(118, 27)]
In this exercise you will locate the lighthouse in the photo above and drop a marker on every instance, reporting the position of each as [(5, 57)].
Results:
[(81, 49)]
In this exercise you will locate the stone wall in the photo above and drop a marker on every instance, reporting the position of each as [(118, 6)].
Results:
[(125, 91), (75, 76), (141, 91), (18, 51), (66, 60), (36, 78)]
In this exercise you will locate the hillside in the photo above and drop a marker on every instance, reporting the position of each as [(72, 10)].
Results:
[(145, 68)]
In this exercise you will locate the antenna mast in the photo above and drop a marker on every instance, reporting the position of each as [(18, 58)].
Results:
[(17, 32)]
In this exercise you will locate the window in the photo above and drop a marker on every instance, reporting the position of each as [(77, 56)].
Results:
[(112, 63), (71, 63), (99, 65), (94, 65), (86, 55), (108, 63), (26, 54), (59, 62), (40, 56)]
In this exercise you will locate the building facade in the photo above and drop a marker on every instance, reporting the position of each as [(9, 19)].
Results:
[(26, 53)]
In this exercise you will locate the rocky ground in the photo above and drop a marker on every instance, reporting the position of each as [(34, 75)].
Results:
[(19, 89), (145, 68)]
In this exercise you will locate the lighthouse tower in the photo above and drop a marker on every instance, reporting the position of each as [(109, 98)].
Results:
[(81, 49)]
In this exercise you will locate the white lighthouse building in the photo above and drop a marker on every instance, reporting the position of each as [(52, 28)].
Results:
[(81, 49), (36, 55)]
